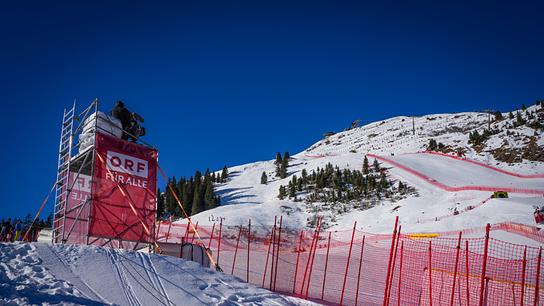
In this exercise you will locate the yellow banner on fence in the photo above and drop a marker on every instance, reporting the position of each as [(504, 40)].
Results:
[(422, 236)]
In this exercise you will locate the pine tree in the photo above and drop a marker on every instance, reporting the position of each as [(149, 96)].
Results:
[(278, 159), (304, 175), (523, 108), (376, 166), (209, 200), (284, 165), (365, 166), (432, 145), (281, 194), (292, 190), (510, 116), (519, 119), (224, 174), (264, 178)]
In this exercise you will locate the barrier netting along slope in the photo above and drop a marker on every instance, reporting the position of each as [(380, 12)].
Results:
[(384, 270)]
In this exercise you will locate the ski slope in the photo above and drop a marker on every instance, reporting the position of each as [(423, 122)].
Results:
[(85, 275), (443, 183)]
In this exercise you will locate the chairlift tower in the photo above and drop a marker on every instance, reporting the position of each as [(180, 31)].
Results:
[(106, 186)]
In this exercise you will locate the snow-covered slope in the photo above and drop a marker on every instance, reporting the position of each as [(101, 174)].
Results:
[(243, 196), (32, 274)]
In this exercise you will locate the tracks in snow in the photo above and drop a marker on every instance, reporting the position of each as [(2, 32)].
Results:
[(128, 292), (154, 277)]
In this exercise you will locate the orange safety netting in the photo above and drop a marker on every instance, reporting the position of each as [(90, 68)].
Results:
[(421, 271)]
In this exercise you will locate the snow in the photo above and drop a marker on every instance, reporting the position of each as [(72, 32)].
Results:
[(39, 273), (243, 197)]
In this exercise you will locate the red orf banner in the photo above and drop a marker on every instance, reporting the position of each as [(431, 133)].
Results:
[(77, 208), (132, 167)]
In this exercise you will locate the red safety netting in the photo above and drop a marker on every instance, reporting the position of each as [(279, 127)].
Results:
[(421, 271)]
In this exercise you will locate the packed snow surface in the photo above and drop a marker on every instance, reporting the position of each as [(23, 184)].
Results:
[(39, 273)]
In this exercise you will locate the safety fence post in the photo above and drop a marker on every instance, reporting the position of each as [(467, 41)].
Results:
[(277, 254), (359, 272), (455, 268), (326, 264), (273, 252), (236, 250), (312, 254), (347, 263), (195, 229), (467, 271), (308, 259), (267, 256), (400, 272), (248, 245), (186, 235), (211, 236), (537, 284), (393, 266), (299, 250), (169, 227), (430, 274), (523, 266), (390, 260), (219, 242), (484, 265), (158, 231)]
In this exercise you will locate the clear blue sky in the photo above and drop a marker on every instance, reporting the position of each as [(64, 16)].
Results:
[(231, 83)]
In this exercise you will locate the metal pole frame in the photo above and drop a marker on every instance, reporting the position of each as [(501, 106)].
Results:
[(393, 266)]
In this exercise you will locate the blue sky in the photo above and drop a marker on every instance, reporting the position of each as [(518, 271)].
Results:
[(231, 83)]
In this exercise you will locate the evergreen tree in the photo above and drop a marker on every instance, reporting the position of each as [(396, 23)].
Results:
[(292, 190), (498, 116), (365, 166), (523, 108), (198, 201), (278, 159), (224, 174), (284, 165), (376, 165), (510, 116), (264, 178), (282, 193), (432, 145), (304, 175), (209, 199), (519, 119)]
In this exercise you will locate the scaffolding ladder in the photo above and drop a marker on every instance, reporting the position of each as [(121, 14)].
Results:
[(63, 174)]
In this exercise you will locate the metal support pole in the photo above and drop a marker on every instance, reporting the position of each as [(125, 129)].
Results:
[(326, 264), (277, 254), (430, 274), (267, 256), (236, 250), (211, 236), (390, 260), (484, 265), (467, 271), (308, 259), (347, 263), (455, 268), (400, 272), (273, 252), (523, 266), (537, 281), (248, 246), (219, 242), (359, 272), (313, 257), (299, 250), (393, 266)]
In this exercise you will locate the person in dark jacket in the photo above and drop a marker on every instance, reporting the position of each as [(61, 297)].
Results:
[(121, 112)]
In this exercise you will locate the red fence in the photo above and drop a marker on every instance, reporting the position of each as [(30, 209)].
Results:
[(358, 268)]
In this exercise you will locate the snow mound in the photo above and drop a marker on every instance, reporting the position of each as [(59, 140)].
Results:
[(86, 275)]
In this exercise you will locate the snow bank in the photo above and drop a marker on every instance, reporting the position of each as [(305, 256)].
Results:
[(85, 275)]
